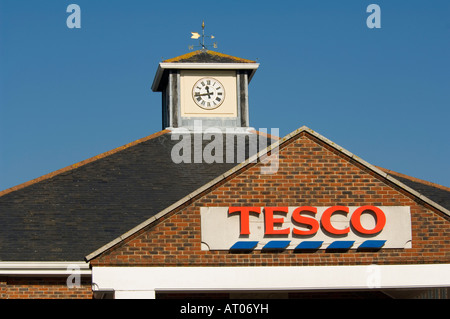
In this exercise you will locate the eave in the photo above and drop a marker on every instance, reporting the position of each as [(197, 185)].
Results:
[(44, 268), (164, 66)]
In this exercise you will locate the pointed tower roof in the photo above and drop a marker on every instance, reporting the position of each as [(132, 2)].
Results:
[(203, 59), (207, 56)]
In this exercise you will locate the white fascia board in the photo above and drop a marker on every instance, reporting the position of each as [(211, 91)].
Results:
[(271, 278), (44, 268), (208, 66), (201, 66)]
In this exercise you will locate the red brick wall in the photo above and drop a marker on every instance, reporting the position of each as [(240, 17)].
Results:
[(310, 173), (43, 288)]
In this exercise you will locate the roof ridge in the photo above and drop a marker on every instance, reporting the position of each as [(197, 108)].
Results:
[(81, 163), (265, 134), (183, 56), (414, 179)]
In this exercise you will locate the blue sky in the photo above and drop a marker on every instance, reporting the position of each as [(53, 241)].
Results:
[(70, 94)]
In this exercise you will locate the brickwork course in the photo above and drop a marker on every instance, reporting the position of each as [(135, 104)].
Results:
[(43, 288)]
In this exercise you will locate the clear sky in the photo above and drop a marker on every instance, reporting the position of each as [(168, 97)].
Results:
[(383, 94)]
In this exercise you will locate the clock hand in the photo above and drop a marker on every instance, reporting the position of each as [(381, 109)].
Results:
[(207, 90)]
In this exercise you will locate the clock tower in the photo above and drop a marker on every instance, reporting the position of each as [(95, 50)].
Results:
[(204, 85)]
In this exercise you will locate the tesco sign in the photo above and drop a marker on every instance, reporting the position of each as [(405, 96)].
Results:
[(299, 217), (226, 227)]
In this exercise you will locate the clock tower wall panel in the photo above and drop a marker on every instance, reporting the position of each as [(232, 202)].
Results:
[(174, 92), (243, 99), (189, 109)]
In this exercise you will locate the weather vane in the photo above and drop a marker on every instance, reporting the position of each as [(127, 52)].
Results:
[(196, 35)]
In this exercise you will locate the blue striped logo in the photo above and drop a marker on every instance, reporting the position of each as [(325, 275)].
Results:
[(308, 245)]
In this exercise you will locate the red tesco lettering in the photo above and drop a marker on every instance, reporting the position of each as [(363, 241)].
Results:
[(310, 222)]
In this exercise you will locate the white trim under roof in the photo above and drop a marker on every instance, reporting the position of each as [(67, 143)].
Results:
[(201, 66), (44, 268), (253, 159), (144, 282)]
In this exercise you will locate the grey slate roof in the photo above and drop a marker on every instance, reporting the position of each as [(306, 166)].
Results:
[(66, 217), (437, 194)]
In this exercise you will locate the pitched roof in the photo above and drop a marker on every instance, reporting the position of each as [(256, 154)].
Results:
[(207, 56), (437, 193), (202, 59), (84, 162), (271, 148), (65, 215), (70, 213)]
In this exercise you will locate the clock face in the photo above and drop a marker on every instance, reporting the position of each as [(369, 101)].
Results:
[(208, 93)]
